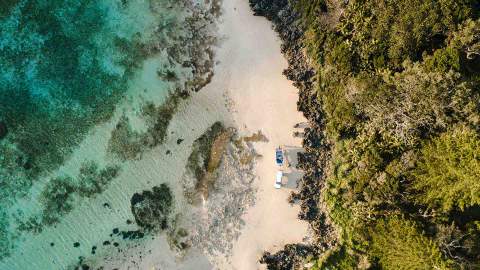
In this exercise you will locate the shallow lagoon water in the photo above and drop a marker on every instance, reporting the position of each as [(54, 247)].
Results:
[(70, 70)]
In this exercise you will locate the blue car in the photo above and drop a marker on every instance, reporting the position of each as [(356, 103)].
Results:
[(279, 156)]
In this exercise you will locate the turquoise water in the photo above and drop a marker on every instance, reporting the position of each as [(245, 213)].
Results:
[(69, 70)]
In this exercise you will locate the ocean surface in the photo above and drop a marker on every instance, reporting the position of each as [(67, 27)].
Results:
[(88, 89)]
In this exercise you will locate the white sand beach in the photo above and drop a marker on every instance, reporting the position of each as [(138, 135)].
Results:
[(250, 69)]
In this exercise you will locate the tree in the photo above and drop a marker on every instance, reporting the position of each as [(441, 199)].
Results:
[(398, 244), (408, 106), (448, 171)]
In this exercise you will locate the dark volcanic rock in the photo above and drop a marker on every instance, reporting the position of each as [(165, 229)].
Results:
[(3, 130), (291, 257), (76, 244), (152, 208), (132, 234)]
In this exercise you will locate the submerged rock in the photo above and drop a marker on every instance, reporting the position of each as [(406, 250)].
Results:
[(132, 234), (3, 130), (151, 209)]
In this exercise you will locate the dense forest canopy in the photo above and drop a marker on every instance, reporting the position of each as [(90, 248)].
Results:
[(399, 85), (397, 108)]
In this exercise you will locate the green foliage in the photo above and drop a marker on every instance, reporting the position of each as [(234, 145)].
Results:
[(309, 9), (338, 259), (408, 106), (444, 60), (393, 78), (400, 30), (398, 244), (448, 171), (468, 38)]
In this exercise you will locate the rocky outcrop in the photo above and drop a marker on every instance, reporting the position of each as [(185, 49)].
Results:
[(288, 258), (151, 209)]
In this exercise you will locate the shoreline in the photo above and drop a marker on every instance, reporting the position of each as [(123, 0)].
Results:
[(317, 153), (264, 100)]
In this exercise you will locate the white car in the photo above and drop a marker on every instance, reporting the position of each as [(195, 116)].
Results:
[(278, 179)]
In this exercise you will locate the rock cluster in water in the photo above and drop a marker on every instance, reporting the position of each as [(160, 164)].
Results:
[(3, 130), (151, 209)]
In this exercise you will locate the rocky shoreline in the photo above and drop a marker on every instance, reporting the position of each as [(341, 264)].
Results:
[(317, 151)]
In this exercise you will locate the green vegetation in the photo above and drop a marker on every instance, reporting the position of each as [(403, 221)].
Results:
[(399, 84), (448, 171), (398, 244)]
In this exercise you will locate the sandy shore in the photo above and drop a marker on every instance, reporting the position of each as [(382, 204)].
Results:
[(250, 70)]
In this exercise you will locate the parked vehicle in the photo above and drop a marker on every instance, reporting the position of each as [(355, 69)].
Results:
[(278, 179), (279, 159)]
